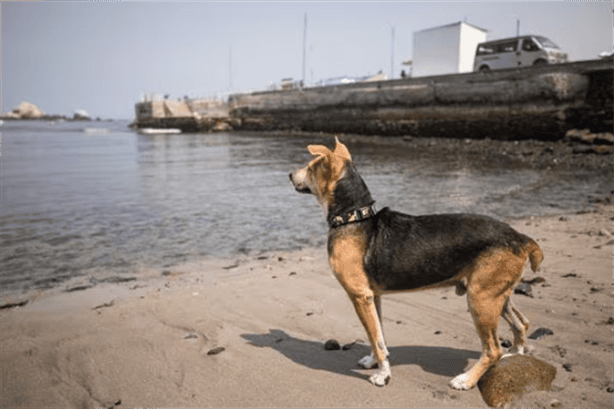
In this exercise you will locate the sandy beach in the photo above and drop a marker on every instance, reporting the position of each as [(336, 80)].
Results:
[(250, 332)]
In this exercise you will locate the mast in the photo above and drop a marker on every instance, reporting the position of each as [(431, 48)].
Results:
[(304, 47)]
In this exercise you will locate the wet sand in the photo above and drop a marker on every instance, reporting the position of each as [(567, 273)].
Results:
[(255, 335)]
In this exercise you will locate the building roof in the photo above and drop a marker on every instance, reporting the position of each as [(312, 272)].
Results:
[(458, 23)]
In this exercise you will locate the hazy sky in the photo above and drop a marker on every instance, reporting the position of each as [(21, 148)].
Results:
[(103, 56)]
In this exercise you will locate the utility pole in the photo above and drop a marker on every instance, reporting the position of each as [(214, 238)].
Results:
[(392, 55), (517, 27), (304, 47)]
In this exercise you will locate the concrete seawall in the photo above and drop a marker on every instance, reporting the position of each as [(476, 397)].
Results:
[(529, 103)]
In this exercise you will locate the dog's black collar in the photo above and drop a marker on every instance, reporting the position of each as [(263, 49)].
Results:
[(353, 216)]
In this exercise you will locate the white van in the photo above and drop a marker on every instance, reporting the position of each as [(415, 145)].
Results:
[(517, 52)]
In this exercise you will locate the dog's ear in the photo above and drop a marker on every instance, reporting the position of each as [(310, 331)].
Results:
[(342, 151), (319, 150)]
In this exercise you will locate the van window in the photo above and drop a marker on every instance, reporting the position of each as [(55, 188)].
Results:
[(484, 49), (545, 42), (507, 47), (497, 48), (529, 45)]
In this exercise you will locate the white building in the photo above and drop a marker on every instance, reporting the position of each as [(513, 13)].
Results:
[(446, 50)]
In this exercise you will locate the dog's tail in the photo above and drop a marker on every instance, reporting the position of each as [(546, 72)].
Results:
[(536, 256)]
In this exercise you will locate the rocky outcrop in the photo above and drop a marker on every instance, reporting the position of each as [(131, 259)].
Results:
[(25, 110), (81, 115)]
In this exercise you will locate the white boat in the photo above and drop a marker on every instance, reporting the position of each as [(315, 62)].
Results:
[(151, 131)]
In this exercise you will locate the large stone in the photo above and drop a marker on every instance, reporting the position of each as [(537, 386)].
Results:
[(512, 377), (81, 115), (25, 110)]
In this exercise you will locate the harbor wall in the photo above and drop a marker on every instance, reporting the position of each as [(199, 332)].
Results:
[(187, 115), (526, 103)]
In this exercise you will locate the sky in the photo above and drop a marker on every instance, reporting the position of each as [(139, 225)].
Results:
[(104, 56)]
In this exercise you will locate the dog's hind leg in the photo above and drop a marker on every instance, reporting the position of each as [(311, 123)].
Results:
[(519, 325), (486, 314), (488, 291)]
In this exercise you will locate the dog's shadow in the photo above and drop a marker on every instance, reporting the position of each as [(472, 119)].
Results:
[(437, 360)]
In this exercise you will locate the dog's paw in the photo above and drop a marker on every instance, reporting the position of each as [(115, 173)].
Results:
[(522, 350), (382, 377), (461, 382), (368, 362)]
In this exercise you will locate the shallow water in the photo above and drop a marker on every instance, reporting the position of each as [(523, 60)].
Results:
[(96, 199)]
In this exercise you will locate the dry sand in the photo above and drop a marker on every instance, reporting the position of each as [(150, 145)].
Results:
[(147, 343)]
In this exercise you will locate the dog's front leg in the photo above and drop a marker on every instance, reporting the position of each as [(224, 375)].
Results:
[(369, 361), (346, 259), (365, 305)]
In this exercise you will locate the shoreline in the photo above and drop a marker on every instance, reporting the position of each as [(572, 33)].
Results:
[(564, 154), (220, 268), (254, 336)]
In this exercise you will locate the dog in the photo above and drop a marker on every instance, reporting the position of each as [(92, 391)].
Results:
[(373, 253)]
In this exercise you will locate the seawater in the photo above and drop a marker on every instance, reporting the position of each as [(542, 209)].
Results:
[(95, 199)]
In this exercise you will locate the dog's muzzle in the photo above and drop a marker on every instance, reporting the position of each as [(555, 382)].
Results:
[(299, 187)]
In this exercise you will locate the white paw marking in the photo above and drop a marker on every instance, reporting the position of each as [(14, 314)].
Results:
[(461, 382), (368, 362), (382, 377), (518, 351)]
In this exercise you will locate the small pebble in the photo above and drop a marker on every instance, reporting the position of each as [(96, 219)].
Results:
[(437, 332), (610, 389), (569, 275), (567, 367), (506, 343), (540, 333), (535, 280), (524, 289), (555, 403), (332, 345), (216, 351)]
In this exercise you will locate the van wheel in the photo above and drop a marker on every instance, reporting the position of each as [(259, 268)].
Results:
[(484, 68), (540, 62)]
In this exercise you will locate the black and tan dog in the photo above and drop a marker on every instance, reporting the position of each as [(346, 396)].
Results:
[(376, 253)]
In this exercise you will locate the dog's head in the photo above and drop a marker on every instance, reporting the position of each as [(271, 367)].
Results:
[(321, 175)]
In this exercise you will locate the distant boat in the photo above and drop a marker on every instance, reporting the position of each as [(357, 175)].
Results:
[(151, 131)]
